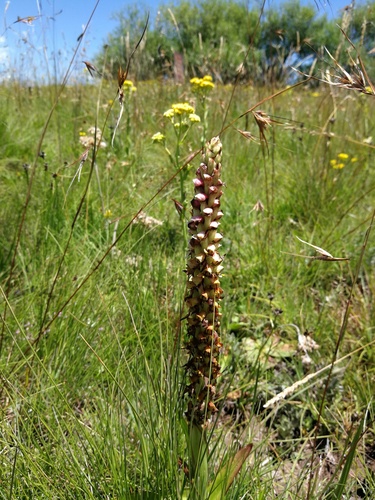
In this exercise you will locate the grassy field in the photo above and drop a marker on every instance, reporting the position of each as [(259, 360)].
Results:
[(92, 342)]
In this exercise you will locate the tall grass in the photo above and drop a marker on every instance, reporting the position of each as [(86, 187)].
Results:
[(91, 358)]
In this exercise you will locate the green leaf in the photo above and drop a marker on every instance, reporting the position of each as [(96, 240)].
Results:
[(227, 474), (336, 492)]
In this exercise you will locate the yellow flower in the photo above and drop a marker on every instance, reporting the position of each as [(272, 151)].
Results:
[(202, 85), (182, 107), (343, 156), (129, 87), (333, 163), (194, 118), (169, 113), (82, 134), (180, 113), (339, 165), (108, 214), (207, 85), (354, 159), (195, 81), (158, 137), (315, 94)]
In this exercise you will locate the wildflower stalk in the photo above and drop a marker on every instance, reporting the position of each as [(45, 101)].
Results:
[(126, 89), (202, 299), (182, 117), (205, 119), (183, 173), (202, 88)]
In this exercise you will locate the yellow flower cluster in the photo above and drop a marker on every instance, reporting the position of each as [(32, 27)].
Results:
[(129, 87), (342, 160), (183, 111), (182, 116), (202, 85), (179, 109), (158, 138)]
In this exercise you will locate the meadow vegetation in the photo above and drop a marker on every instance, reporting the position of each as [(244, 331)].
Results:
[(92, 260), (214, 37)]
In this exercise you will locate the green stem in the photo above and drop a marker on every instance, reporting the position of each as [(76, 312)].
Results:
[(205, 121), (198, 452), (182, 177)]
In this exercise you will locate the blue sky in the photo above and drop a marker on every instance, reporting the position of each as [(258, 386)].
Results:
[(27, 49)]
